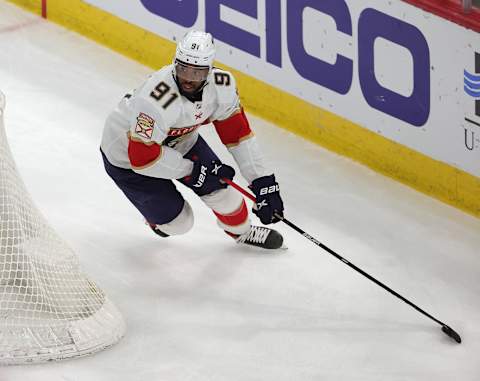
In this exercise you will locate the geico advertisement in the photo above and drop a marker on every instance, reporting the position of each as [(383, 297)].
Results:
[(388, 66)]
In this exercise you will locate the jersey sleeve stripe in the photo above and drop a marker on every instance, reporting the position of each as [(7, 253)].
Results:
[(143, 155), (250, 135), (233, 129)]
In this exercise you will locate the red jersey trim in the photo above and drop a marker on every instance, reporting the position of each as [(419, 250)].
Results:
[(234, 129), (143, 155), (251, 134)]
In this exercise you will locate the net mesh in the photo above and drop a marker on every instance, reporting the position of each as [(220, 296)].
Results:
[(49, 309)]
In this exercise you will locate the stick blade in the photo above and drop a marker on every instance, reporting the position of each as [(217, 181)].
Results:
[(451, 333)]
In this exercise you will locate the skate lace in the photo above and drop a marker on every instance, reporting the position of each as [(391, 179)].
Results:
[(256, 234)]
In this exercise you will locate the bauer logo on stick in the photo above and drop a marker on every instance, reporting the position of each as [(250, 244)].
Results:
[(145, 126)]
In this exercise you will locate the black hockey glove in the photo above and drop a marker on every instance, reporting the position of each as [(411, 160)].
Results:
[(269, 202), (205, 176)]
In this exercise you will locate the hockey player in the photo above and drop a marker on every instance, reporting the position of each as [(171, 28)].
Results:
[(152, 138)]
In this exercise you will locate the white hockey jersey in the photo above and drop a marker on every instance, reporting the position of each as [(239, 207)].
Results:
[(151, 129)]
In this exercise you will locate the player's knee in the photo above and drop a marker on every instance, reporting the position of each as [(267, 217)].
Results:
[(180, 224), (230, 209), (224, 201)]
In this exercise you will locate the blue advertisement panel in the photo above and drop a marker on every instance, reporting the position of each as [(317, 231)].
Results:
[(382, 65)]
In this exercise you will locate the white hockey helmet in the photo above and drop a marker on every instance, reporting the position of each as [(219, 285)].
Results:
[(195, 50)]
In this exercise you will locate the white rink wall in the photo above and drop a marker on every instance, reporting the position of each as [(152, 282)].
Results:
[(386, 66), (373, 80)]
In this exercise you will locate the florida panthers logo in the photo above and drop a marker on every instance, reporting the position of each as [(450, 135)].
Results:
[(145, 126)]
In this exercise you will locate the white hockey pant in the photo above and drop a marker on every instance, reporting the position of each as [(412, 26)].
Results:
[(227, 204)]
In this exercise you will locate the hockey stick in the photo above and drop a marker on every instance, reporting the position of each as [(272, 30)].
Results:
[(445, 328)]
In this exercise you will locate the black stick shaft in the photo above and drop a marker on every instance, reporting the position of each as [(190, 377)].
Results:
[(330, 251), (351, 265)]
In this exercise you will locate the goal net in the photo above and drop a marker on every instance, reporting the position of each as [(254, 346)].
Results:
[(49, 309)]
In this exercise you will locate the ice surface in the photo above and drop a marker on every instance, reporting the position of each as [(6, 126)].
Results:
[(201, 308)]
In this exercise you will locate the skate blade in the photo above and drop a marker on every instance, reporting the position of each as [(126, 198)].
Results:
[(264, 249)]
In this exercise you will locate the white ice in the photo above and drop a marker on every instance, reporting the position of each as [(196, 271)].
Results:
[(199, 307)]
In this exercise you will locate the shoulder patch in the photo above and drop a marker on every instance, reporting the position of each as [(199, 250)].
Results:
[(145, 126)]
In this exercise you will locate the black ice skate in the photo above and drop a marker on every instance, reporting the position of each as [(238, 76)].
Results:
[(156, 230), (260, 236)]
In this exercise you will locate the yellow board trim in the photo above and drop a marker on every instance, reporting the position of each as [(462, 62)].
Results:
[(34, 6), (437, 179)]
